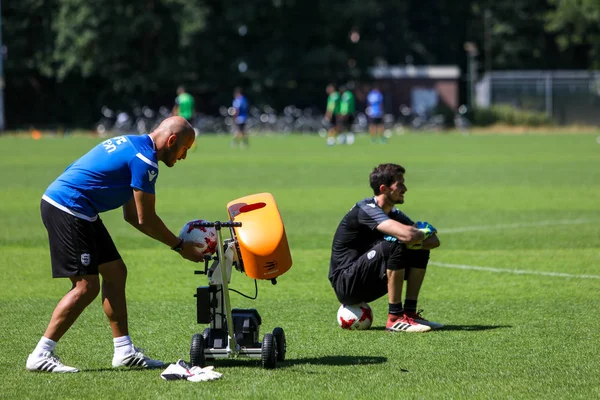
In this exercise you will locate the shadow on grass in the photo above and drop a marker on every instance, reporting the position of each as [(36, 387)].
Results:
[(335, 360), (326, 360), (457, 328), (290, 362), (255, 363), (122, 370), (472, 327)]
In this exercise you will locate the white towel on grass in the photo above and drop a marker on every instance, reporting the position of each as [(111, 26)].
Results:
[(182, 370)]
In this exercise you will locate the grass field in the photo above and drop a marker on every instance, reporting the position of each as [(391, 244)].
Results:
[(516, 280)]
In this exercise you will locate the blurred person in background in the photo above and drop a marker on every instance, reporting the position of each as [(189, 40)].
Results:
[(332, 113), (376, 247), (240, 110), (375, 115), (184, 105), (118, 172), (347, 114)]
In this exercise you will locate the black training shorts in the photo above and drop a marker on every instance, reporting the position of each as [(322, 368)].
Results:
[(332, 121), (375, 120), (77, 246), (346, 122), (240, 127), (366, 278)]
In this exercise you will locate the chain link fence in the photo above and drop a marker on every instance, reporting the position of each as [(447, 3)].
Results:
[(568, 97)]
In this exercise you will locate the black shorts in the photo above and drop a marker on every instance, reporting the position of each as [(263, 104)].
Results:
[(239, 127), (331, 122), (366, 279), (77, 246), (346, 122), (376, 120)]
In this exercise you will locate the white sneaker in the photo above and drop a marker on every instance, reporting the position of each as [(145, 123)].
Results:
[(417, 317), (135, 359), (47, 362), (405, 324)]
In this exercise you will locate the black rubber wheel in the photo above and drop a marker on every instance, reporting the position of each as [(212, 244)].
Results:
[(269, 351), (197, 351), (281, 343)]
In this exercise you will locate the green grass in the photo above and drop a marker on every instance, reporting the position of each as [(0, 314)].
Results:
[(532, 202)]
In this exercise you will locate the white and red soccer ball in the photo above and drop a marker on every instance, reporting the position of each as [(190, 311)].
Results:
[(205, 237), (355, 316)]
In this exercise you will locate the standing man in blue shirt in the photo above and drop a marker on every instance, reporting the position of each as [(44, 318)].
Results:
[(119, 172), (240, 117), (375, 115)]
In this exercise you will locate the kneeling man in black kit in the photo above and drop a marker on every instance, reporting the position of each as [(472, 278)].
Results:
[(377, 247)]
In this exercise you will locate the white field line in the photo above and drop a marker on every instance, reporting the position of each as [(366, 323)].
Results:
[(516, 225), (512, 271)]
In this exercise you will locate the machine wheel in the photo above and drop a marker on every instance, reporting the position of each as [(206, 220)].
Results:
[(269, 351), (281, 343), (197, 351)]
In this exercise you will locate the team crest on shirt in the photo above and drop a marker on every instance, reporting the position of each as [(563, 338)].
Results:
[(371, 254), (85, 259)]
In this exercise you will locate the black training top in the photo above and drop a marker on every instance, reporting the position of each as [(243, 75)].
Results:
[(357, 232)]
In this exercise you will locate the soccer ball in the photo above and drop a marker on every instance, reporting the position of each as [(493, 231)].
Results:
[(356, 316), (205, 237)]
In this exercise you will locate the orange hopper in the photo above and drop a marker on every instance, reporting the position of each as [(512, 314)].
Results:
[(262, 242)]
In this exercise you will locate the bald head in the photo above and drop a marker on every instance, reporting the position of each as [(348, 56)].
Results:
[(172, 138), (177, 126)]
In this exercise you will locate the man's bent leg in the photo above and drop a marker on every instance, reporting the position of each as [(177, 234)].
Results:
[(397, 321), (395, 282), (114, 277), (418, 262), (84, 291), (395, 270), (366, 279), (414, 283)]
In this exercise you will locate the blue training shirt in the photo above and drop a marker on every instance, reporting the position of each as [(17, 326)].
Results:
[(241, 105), (104, 178), (375, 104)]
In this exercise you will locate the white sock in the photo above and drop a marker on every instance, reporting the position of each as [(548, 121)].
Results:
[(44, 345), (350, 138), (123, 345)]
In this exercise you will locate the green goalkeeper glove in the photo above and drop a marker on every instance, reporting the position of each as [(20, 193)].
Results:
[(427, 229)]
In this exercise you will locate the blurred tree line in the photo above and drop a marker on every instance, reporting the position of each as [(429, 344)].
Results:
[(64, 59)]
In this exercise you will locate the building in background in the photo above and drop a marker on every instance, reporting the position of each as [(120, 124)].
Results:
[(421, 88)]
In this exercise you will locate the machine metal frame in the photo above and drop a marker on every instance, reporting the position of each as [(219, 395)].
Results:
[(232, 332)]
